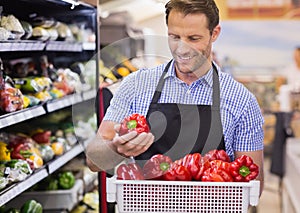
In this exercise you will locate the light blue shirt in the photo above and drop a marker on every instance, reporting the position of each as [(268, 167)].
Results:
[(240, 113)]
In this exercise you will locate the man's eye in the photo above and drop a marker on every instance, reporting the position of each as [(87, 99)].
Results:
[(194, 38), (174, 37)]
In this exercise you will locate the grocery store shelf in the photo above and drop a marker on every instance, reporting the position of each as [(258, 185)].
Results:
[(22, 115), (21, 46), (63, 46), (88, 46), (61, 160), (63, 102), (31, 45), (89, 95), (17, 188), (50, 106)]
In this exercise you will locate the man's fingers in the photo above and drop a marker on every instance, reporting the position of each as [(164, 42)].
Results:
[(123, 139)]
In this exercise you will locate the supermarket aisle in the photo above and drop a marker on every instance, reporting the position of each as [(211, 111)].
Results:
[(270, 201)]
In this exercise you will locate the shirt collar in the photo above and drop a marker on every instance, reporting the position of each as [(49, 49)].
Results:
[(208, 77)]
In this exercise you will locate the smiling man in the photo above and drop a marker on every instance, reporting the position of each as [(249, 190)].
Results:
[(190, 104)]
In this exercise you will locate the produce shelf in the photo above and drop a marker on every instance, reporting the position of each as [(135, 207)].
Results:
[(64, 46), (87, 95), (21, 46), (21, 115), (60, 103), (61, 160), (15, 189)]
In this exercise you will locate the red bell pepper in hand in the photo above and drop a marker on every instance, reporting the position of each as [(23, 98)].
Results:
[(130, 171), (157, 166), (134, 122), (217, 155), (216, 174), (177, 173), (195, 164), (243, 169)]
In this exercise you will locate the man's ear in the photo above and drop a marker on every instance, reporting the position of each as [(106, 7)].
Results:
[(216, 32)]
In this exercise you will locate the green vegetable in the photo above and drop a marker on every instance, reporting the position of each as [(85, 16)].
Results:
[(52, 185), (66, 180), (12, 210), (19, 164), (31, 206)]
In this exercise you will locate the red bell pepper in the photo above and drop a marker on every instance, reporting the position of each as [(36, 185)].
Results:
[(243, 169), (177, 173), (217, 155), (221, 164), (195, 164), (134, 122), (21, 151), (130, 171), (157, 166), (216, 174), (42, 137)]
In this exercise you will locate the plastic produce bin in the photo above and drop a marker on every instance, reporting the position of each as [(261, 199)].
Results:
[(53, 200), (145, 196)]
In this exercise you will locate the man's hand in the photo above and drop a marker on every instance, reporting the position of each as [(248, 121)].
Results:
[(132, 143)]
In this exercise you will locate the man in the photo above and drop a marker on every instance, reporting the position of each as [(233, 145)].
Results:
[(190, 104)]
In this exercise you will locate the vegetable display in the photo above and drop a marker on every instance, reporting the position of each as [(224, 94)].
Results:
[(134, 122), (214, 166)]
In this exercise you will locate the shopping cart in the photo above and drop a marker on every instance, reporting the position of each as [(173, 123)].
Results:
[(145, 196)]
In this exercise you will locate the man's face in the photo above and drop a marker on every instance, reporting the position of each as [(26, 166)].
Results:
[(190, 41)]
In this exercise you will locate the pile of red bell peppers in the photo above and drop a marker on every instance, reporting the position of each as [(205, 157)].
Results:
[(215, 166)]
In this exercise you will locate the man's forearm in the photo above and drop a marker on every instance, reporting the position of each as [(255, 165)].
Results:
[(101, 156)]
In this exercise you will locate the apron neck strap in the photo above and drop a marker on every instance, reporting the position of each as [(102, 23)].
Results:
[(160, 85), (216, 86)]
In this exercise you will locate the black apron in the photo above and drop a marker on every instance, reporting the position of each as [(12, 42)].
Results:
[(180, 129)]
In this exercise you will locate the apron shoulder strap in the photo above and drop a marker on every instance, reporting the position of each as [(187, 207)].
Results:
[(160, 84)]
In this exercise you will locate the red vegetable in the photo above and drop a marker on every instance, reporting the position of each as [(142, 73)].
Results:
[(10, 99), (177, 173), (216, 174), (42, 137), (217, 155), (221, 164), (21, 151), (195, 164), (243, 169), (130, 171), (134, 122), (157, 166)]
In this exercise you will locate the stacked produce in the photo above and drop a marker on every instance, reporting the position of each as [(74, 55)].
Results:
[(21, 154), (22, 86), (214, 166), (43, 29)]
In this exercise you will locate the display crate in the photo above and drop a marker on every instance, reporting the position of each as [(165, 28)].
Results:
[(54, 199), (145, 196)]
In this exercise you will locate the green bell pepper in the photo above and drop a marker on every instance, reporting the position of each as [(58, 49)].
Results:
[(31, 206), (66, 180)]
